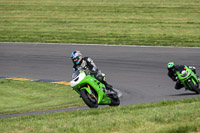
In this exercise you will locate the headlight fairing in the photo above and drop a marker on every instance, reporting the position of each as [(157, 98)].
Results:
[(185, 74)]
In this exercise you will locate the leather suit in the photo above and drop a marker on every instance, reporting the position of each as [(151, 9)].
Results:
[(173, 76), (88, 64)]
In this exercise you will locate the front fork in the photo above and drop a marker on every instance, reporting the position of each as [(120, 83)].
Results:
[(91, 95), (196, 83)]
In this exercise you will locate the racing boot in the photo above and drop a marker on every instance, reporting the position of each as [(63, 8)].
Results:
[(109, 89)]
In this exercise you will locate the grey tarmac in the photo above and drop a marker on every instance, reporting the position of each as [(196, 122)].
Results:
[(139, 72)]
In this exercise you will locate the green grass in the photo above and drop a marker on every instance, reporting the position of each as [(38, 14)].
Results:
[(182, 116), (173, 116), (26, 96), (125, 22)]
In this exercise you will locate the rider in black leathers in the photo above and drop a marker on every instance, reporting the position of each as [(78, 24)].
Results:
[(172, 73), (86, 63)]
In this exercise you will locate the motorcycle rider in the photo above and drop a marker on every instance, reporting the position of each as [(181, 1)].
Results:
[(172, 73), (86, 63)]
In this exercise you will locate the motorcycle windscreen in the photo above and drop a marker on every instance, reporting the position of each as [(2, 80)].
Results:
[(75, 74)]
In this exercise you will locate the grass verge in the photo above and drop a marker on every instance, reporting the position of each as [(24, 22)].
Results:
[(26, 96), (132, 22), (181, 116)]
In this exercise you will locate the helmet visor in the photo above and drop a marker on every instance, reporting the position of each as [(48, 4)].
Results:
[(75, 59)]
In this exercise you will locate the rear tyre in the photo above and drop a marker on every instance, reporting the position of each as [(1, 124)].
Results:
[(88, 99), (195, 88), (115, 101)]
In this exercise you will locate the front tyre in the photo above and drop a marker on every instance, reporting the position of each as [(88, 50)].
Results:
[(90, 100), (195, 88)]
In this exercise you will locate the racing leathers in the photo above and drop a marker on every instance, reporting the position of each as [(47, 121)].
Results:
[(88, 64), (172, 74)]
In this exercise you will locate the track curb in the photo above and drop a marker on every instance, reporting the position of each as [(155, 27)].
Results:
[(37, 80)]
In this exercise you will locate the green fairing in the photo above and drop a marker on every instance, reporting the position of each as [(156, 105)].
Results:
[(93, 83), (189, 75)]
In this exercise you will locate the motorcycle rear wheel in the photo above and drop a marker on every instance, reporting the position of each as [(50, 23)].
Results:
[(115, 101), (92, 103)]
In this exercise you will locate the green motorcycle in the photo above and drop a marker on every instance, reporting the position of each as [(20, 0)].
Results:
[(92, 91), (188, 78)]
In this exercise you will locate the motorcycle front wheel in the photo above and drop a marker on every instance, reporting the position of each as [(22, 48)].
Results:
[(90, 100), (194, 87)]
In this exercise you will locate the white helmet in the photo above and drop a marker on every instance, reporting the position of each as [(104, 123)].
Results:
[(76, 57)]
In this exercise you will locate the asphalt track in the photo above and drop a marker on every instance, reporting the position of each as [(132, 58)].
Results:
[(140, 73)]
